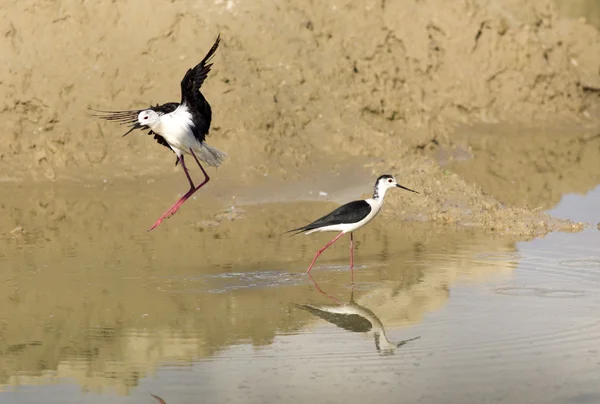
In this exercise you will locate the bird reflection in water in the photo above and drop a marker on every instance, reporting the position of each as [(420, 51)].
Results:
[(353, 317)]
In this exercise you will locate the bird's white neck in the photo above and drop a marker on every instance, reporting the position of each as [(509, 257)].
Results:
[(379, 193), (376, 203)]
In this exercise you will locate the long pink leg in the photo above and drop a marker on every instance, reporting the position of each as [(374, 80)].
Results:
[(173, 209), (321, 290), (186, 172), (192, 189), (206, 178), (351, 251), (184, 198), (323, 249), (352, 256)]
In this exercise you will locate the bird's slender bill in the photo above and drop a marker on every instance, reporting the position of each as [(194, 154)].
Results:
[(403, 187), (134, 127)]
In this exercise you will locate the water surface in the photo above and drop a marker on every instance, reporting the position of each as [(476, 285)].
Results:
[(218, 310)]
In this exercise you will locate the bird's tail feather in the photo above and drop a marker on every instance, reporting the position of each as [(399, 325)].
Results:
[(210, 155), (297, 231)]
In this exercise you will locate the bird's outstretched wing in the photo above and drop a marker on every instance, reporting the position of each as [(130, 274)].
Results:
[(193, 99), (123, 117), (130, 117), (194, 78), (351, 212)]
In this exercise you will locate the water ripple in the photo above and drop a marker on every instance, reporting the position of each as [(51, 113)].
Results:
[(499, 256), (539, 292), (588, 263)]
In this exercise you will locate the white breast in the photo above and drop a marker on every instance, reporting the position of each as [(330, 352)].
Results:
[(175, 127)]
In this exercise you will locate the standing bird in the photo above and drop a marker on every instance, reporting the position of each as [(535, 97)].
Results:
[(182, 127), (351, 216)]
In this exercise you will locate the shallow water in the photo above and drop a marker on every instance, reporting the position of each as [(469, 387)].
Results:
[(218, 310), (588, 9)]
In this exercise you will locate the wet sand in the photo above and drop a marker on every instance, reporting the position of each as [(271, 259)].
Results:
[(293, 87)]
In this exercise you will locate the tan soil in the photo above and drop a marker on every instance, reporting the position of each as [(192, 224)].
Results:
[(382, 82)]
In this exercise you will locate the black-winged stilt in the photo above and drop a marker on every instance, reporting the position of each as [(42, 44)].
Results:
[(182, 127), (351, 216), (353, 317)]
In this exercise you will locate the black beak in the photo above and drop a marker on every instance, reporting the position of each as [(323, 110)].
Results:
[(133, 127), (400, 186)]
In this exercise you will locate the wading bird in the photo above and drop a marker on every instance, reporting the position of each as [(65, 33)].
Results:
[(182, 127), (351, 216)]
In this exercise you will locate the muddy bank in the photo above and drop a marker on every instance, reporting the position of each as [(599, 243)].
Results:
[(293, 85), (524, 167)]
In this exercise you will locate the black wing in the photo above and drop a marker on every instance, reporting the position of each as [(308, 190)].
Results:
[(351, 212), (165, 108), (194, 78), (130, 116), (122, 117), (193, 99)]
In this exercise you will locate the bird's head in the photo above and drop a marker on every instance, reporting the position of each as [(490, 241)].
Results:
[(148, 118), (386, 182)]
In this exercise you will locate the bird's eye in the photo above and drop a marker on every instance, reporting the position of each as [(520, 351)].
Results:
[(390, 180), (145, 117)]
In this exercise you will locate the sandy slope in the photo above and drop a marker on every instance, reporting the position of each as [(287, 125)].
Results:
[(293, 83)]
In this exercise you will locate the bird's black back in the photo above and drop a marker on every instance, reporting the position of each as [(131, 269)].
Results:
[(165, 108), (193, 99), (351, 212)]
